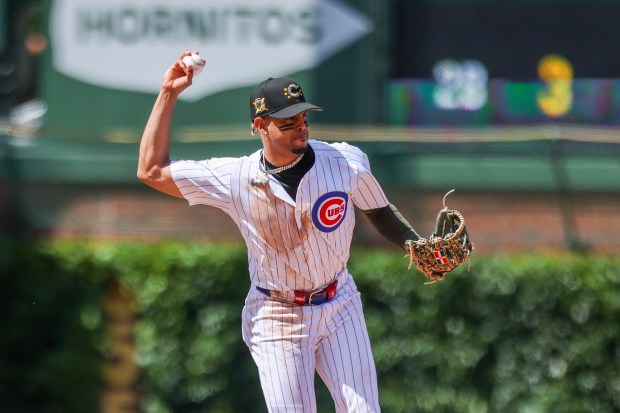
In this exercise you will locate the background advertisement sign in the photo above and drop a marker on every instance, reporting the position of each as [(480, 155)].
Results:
[(128, 45)]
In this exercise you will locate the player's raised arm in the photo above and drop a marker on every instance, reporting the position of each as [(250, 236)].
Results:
[(154, 160)]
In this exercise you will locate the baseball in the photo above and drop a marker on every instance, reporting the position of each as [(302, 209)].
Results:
[(196, 61)]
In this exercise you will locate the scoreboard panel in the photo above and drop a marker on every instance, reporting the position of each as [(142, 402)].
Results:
[(507, 61)]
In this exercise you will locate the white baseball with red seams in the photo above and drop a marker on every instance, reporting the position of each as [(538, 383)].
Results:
[(196, 61), (298, 244)]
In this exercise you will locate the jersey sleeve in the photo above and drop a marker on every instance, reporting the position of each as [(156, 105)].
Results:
[(205, 182), (367, 194)]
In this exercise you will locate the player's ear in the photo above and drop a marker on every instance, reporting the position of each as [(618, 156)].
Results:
[(259, 125)]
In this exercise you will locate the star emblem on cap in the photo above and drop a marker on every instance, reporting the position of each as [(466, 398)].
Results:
[(259, 104)]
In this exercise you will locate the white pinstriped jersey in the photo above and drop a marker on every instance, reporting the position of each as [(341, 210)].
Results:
[(299, 244)]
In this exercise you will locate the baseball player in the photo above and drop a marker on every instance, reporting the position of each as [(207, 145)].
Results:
[(293, 202)]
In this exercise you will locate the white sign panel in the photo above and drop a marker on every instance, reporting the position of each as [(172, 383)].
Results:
[(128, 45)]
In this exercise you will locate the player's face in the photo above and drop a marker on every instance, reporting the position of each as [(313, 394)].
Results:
[(289, 134)]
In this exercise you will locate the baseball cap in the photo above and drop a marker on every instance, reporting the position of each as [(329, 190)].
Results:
[(280, 97)]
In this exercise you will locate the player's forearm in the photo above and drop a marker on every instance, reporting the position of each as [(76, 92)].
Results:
[(155, 143), (390, 223)]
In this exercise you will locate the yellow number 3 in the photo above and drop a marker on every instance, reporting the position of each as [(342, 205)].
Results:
[(557, 98)]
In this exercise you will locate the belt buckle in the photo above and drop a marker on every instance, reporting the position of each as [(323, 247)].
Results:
[(313, 293)]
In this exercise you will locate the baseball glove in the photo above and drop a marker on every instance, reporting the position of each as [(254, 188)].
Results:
[(447, 248)]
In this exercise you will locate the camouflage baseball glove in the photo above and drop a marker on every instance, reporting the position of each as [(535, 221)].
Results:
[(447, 248)]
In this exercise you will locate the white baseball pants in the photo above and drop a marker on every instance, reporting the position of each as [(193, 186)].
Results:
[(289, 342)]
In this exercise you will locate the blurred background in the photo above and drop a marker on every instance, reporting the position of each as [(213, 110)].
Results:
[(513, 103), (516, 106)]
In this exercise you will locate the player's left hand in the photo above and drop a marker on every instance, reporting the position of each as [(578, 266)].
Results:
[(447, 248)]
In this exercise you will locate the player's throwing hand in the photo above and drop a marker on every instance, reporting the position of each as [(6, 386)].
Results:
[(179, 76)]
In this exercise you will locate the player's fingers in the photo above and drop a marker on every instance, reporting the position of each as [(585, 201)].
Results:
[(180, 63), (178, 67), (186, 81), (189, 71), (185, 53)]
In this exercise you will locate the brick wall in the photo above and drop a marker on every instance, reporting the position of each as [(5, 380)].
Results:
[(497, 221)]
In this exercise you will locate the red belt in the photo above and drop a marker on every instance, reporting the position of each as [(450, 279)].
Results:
[(306, 297)]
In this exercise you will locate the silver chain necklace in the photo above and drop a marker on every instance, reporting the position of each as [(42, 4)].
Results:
[(263, 167), (261, 178)]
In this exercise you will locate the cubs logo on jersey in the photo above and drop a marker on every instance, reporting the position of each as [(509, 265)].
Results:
[(329, 210)]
